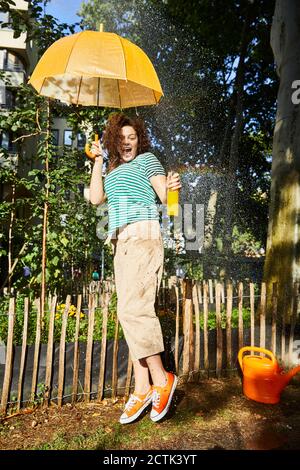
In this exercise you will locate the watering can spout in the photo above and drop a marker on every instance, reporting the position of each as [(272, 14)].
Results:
[(291, 373)]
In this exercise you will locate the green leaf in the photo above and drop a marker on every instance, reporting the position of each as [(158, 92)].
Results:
[(55, 260), (64, 241)]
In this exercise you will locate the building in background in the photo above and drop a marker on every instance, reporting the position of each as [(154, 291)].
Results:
[(18, 58)]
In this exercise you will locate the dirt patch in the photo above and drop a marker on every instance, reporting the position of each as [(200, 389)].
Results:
[(211, 414)]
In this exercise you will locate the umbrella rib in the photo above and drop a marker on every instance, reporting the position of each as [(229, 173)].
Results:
[(124, 57), (44, 79), (125, 67), (119, 94), (73, 45), (98, 89), (155, 97), (79, 90)]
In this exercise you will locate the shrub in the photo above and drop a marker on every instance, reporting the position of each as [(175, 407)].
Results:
[(71, 323)]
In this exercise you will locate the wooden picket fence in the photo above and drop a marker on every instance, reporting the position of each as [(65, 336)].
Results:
[(192, 303)]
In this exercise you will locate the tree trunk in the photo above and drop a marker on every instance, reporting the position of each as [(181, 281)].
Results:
[(283, 249), (210, 221), (234, 151), (45, 218), (10, 235)]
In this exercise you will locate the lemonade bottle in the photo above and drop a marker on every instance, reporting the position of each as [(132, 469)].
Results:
[(172, 201)]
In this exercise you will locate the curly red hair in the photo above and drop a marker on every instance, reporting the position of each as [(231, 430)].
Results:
[(112, 137)]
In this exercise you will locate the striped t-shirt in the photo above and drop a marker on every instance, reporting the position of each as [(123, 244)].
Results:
[(130, 195)]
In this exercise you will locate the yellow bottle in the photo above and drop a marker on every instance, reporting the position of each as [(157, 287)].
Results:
[(172, 202)]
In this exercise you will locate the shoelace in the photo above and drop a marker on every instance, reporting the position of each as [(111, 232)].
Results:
[(131, 402), (156, 398)]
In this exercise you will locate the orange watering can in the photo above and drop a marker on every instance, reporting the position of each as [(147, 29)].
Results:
[(263, 378)]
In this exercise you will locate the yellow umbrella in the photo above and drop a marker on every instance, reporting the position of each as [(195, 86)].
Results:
[(94, 68)]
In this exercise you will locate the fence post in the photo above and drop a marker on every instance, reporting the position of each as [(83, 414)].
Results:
[(37, 303), (197, 324), (205, 326), (283, 348), (219, 330), (293, 321), (114, 382), (241, 323), (228, 325), (76, 350), (49, 359), (62, 349), (23, 353), (263, 301), (9, 355), (211, 291), (188, 345), (103, 344), (252, 316), (89, 348), (274, 316), (177, 330), (199, 291), (128, 377)]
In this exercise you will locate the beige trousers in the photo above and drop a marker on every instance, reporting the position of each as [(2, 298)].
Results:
[(138, 267)]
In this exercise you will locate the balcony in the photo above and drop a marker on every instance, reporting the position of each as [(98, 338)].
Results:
[(9, 42), (20, 5)]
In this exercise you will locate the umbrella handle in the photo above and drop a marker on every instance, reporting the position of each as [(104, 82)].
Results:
[(173, 202), (87, 148)]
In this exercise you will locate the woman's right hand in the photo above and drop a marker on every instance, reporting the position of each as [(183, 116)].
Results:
[(96, 149)]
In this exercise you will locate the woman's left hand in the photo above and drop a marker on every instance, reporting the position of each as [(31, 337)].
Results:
[(173, 181)]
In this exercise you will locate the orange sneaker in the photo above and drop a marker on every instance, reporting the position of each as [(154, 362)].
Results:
[(162, 397), (135, 406)]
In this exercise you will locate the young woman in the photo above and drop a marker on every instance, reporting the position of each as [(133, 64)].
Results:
[(134, 182)]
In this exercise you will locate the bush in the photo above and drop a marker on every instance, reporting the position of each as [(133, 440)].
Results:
[(167, 319), (71, 323), (211, 322)]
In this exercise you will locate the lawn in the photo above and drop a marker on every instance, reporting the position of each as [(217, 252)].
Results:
[(211, 414)]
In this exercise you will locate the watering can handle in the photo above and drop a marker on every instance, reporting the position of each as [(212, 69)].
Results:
[(87, 148), (255, 348)]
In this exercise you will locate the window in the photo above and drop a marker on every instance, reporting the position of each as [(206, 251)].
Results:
[(12, 62), (4, 140), (7, 98), (55, 137), (4, 18), (67, 137), (2, 96), (10, 99), (81, 140), (2, 55)]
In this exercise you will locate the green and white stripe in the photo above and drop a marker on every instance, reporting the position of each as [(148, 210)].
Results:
[(130, 194)]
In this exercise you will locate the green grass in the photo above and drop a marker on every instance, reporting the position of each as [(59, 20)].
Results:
[(58, 443), (97, 440)]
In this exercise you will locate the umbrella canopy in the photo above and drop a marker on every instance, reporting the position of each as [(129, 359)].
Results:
[(94, 68)]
